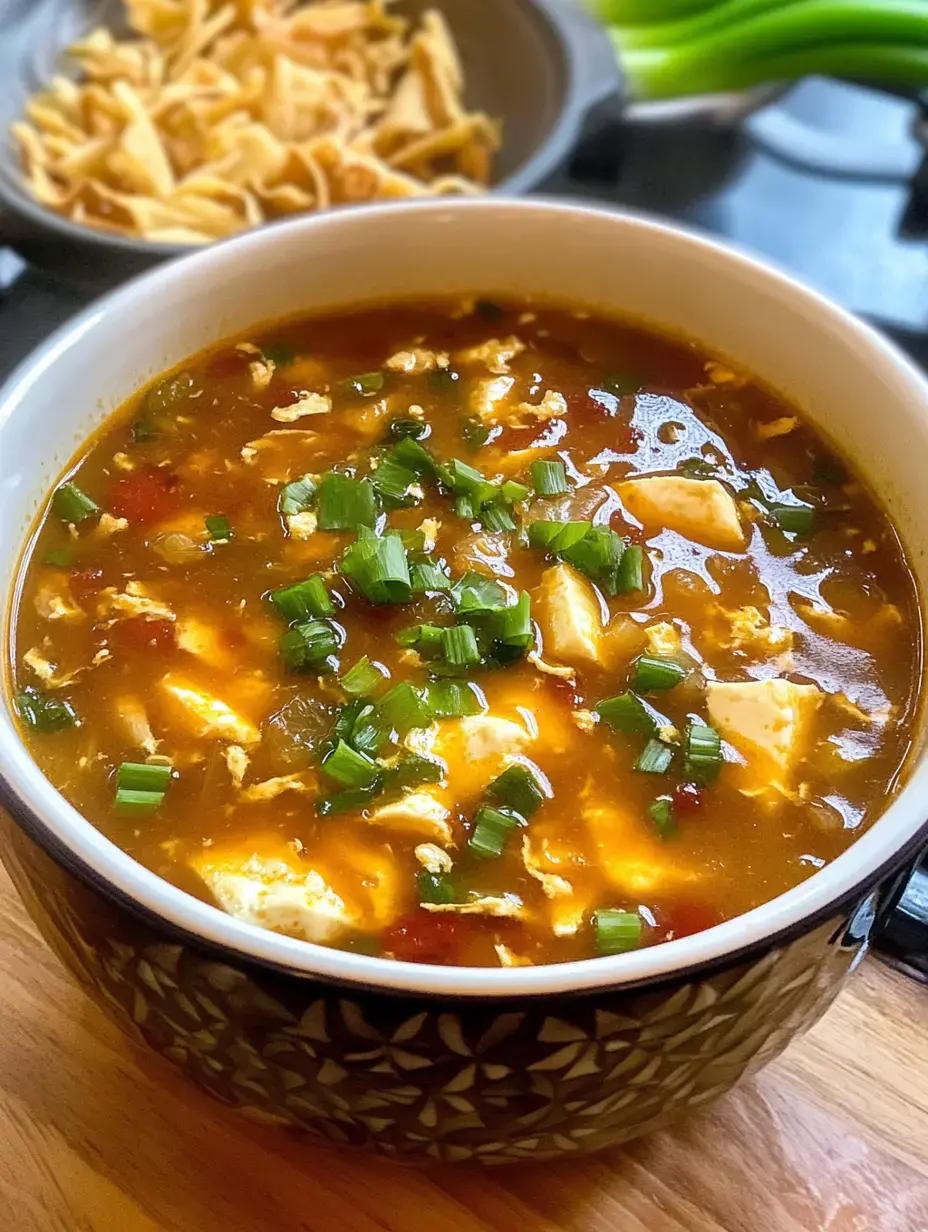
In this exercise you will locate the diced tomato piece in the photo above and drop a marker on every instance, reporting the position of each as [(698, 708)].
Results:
[(138, 633), (683, 919), (146, 495), (84, 582), (425, 938), (688, 798)]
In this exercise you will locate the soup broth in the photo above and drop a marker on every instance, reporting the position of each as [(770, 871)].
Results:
[(479, 633)]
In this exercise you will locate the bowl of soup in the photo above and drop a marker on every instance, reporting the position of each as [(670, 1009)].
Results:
[(463, 668)]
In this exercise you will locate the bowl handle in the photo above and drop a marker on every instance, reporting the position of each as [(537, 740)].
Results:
[(900, 932)]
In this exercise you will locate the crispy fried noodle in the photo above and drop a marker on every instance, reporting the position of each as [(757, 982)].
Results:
[(220, 116)]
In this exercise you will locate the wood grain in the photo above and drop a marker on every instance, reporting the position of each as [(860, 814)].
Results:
[(833, 1136)]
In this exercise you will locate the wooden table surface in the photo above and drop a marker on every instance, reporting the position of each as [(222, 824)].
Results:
[(832, 1136)]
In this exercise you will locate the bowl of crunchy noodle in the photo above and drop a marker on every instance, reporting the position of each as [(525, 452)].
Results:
[(136, 130)]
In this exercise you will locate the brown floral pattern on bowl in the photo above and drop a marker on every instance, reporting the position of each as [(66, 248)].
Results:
[(414, 1078)]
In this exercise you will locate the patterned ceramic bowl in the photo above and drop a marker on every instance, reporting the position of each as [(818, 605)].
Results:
[(418, 1062)]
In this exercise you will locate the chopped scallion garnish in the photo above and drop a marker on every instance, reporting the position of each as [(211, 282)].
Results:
[(661, 813), (459, 646), (344, 503), (129, 800), (514, 624), (308, 598), (42, 713), (512, 492), (143, 776), (393, 479), (492, 827), (630, 713), (794, 519), (363, 679), (703, 753), (143, 430), (596, 551), (549, 477), (413, 771), (416, 457), (435, 888), (425, 576), (365, 384), (59, 558), (453, 699), (654, 674), (218, 526), (279, 352), (379, 568), (517, 789), (474, 593), (309, 646), (655, 758), (296, 497), (349, 767), (617, 931), (402, 709), (73, 505), (631, 570)]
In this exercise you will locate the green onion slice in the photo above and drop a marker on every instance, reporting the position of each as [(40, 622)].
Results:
[(617, 931), (403, 708), (363, 679), (352, 800), (655, 674), (454, 699), (661, 813), (303, 599), (310, 645), (344, 503), (296, 497), (219, 527), (365, 384), (794, 519), (459, 646), (379, 568), (631, 570), (73, 505), (518, 789), (42, 713), (129, 800), (142, 776), (349, 767), (549, 478), (630, 713), (435, 887), (491, 830), (655, 758), (703, 753)]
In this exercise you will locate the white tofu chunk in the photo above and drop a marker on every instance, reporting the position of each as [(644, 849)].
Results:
[(198, 639), (495, 353), (767, 721), (487, 396), (416, 360), (271, 894), (207, 716), (416, 813), (699, 509), (663, 639), (569, 614)]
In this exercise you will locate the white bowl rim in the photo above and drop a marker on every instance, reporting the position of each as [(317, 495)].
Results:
[(45, 815)]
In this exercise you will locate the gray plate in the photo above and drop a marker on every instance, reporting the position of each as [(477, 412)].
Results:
[(541, 66)]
